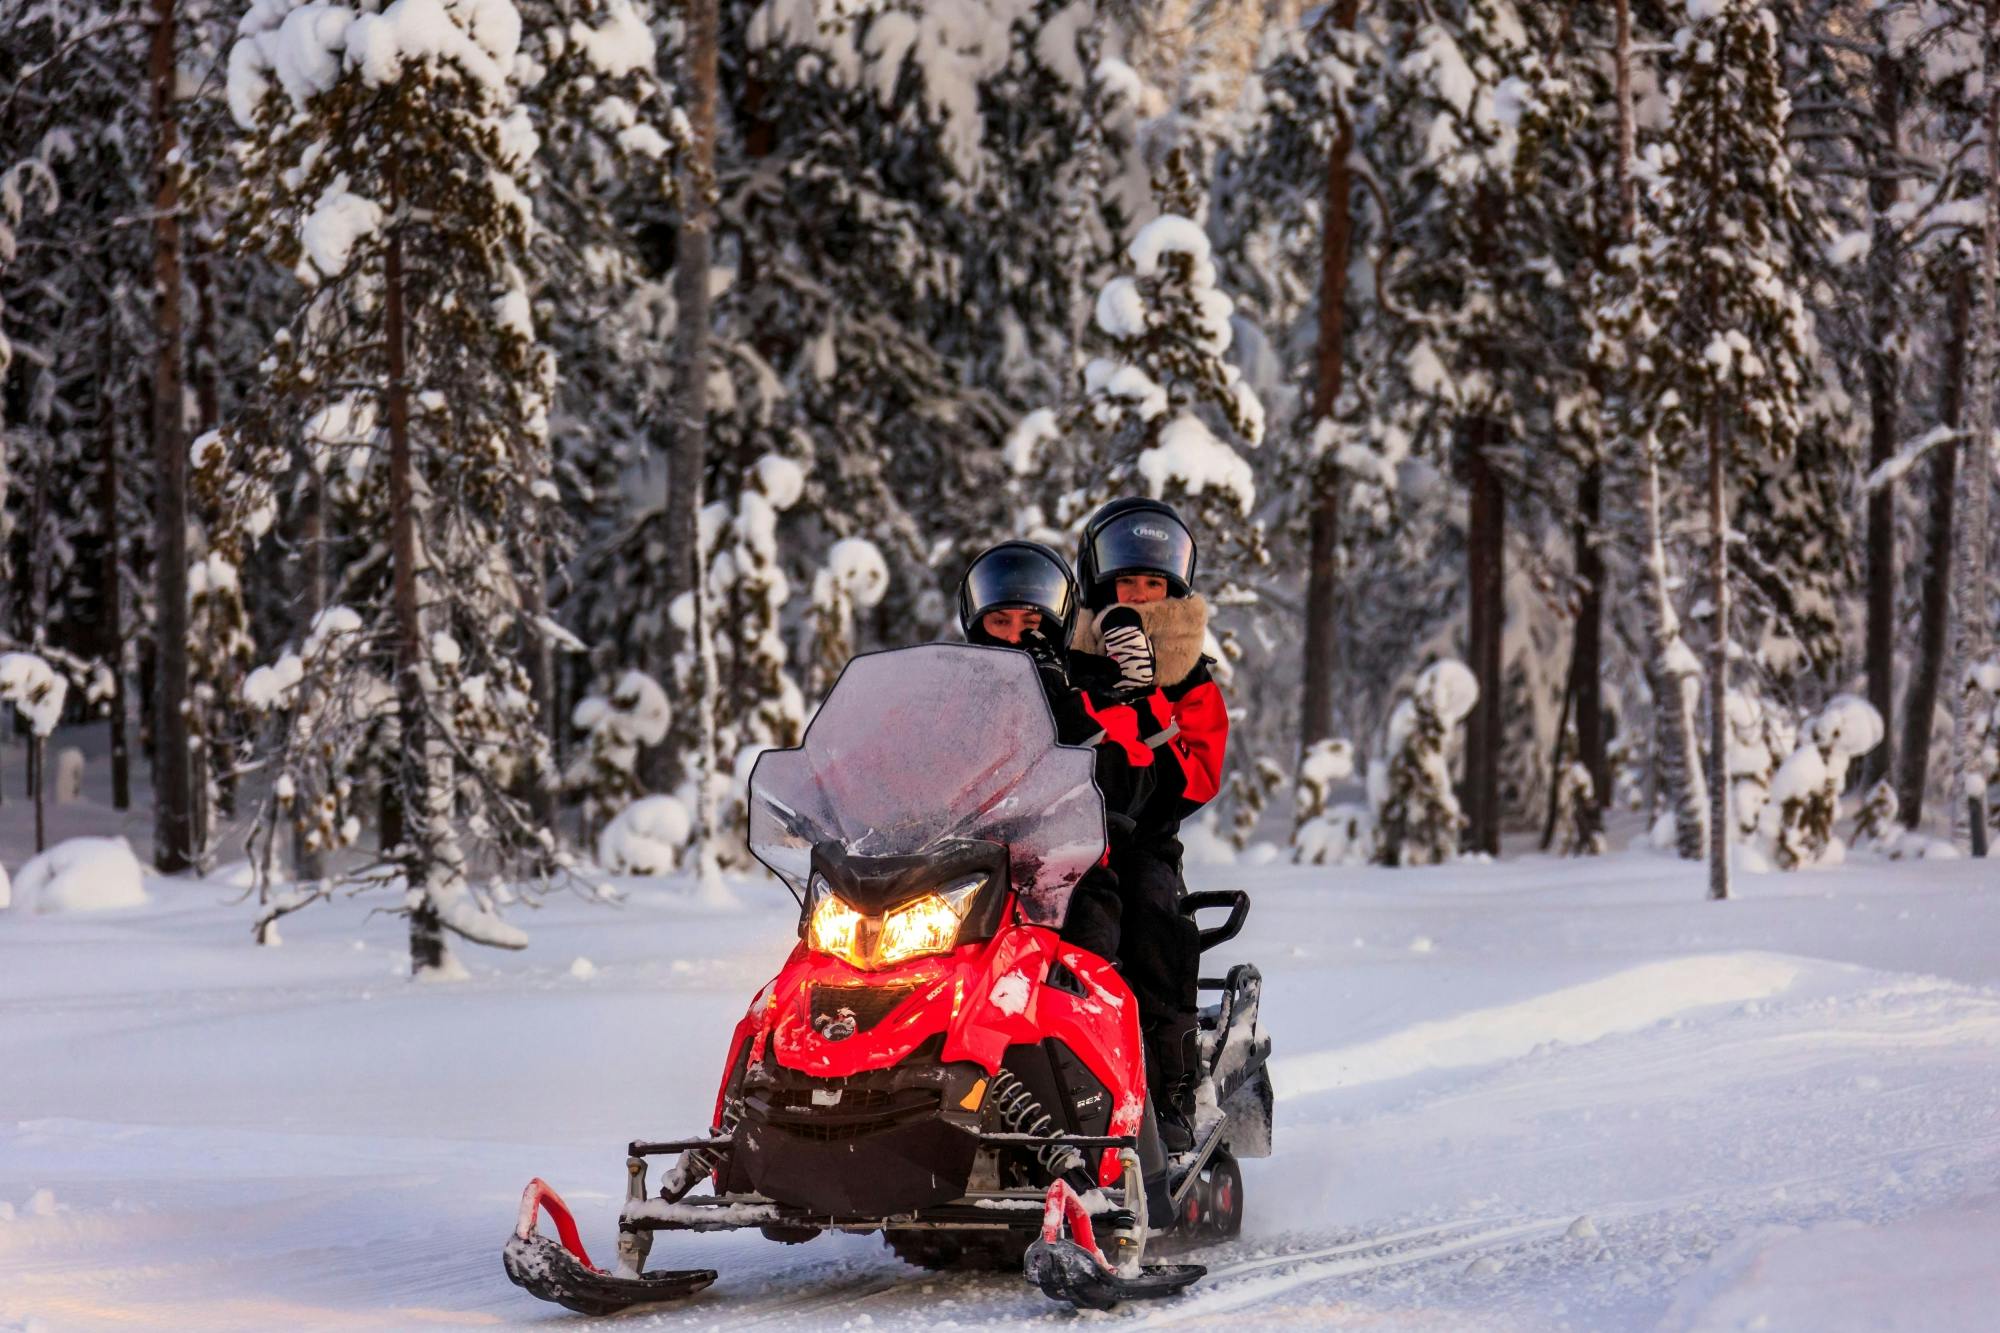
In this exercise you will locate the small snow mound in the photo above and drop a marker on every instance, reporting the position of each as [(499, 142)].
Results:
[(1582, 1229), (42, 1203), (1422, 944), (1484, 1266), (80, 875), (583, 969), (645, 838)]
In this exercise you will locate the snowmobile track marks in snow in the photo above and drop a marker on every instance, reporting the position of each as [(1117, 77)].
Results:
[(1222, 1293)]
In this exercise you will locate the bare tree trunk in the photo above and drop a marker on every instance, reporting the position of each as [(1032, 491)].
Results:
[(309, 863), (686, 460), (1882, 370), (38, 751), (1586, 668), (1486, 616), (112, 626), (1970, 560), (173, 848), (427, 950), (543, 781), (1718, 666), (1322, 578), (1934, 630)]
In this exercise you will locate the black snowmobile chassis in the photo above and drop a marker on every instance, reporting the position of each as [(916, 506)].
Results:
[(981, 1210)]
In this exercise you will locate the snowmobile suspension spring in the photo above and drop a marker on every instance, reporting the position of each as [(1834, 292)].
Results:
[(1021, 1112)]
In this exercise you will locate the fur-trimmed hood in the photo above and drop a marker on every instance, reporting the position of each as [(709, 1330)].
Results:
[(1178, 626)]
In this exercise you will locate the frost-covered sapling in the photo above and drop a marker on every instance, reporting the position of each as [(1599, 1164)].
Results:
[(1328, 832), (37, 691), (1417, 816), (856, 578), (1798, 821), (616, 723)]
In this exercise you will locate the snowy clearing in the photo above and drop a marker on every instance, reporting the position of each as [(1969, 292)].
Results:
[(1538, 1094)]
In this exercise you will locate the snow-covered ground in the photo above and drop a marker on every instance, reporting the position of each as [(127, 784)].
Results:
[(1531, 1095)]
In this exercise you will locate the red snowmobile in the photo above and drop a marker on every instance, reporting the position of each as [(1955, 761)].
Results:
[(934, 1062)]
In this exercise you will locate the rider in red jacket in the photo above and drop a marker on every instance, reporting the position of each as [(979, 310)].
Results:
[(1135, 565)]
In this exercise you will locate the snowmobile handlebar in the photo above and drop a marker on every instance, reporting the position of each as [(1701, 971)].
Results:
[(1236, 900)]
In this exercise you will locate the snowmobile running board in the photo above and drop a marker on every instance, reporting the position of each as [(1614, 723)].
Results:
[(564, 1274)]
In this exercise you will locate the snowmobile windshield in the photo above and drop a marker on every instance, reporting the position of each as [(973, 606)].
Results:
[(919, 748)]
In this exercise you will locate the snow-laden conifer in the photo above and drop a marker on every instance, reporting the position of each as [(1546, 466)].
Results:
[(1417, 816), (1717, 316), (389, 162)]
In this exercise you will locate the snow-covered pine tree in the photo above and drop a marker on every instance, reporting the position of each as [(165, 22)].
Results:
[(855, 578), (1761, 738), (1153, 404), (1798, 822), (617, 722), (1723, 361), (386, 158), (1417, 816)]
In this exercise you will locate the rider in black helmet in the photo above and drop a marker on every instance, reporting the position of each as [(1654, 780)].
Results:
[(1019, 594), (1136, 567)]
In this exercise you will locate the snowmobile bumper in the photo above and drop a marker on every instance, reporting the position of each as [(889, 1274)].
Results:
[(562, 1273)]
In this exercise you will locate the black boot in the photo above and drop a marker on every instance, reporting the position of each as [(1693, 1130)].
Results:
[(1173, 1068)]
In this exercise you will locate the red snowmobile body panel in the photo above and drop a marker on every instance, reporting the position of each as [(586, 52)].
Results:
[(826, 1019)]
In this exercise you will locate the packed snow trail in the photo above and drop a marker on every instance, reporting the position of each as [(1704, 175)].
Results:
[(1525, 1095)]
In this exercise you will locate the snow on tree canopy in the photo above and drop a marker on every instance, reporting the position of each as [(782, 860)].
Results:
[(620, 46), (858, 570), (332, 230), (35, 689), (1168, 234), (1189, 455)]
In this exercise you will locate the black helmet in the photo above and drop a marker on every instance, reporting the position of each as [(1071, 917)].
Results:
[(1134, 536), (1017, 574)]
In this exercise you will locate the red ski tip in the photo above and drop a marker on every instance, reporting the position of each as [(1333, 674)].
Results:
[(538, 1196)]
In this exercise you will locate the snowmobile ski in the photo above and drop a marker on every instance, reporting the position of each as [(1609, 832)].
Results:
[(564, 1274), (1068, 1265)]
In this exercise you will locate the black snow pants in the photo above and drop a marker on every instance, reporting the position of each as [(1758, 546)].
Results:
[(1160, 953)]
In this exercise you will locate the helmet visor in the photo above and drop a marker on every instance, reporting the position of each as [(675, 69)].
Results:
[(1144, 541), (1018, 576)]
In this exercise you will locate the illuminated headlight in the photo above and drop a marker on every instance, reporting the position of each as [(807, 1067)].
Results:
[(926, 925)]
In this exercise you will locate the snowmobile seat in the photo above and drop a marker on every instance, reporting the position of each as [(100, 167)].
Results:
[(1236, 900)]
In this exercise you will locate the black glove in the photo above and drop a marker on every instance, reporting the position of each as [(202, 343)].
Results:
[(1126, 644), (1047, 653)]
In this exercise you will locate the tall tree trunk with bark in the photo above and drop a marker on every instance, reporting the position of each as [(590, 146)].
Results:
[(1718, 665), (1322, 577), (1486, 619), (1587, 651), (688, 454), (173, 824), (1934, 629), (112, 626), (412, 781), (1971, 593), (1882, 371)]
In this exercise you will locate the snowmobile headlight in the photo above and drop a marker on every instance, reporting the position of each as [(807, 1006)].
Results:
[(836, 930), (928, 925)]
